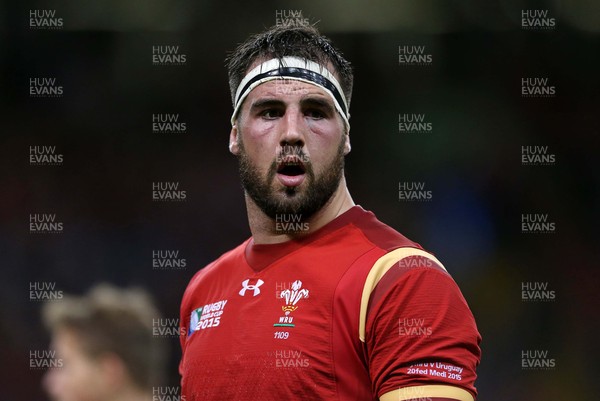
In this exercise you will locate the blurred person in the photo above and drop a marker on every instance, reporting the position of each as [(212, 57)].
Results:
[(323, 301), (105, 342)]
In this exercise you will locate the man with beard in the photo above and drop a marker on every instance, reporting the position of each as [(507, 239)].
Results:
[(323, 301)]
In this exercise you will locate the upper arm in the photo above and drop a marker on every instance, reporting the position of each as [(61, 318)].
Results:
[(420, 333)]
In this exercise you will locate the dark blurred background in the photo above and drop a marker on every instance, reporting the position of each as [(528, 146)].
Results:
[(471, 161)]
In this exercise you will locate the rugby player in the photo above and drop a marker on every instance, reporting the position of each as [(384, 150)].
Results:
[(105, 345), (323, 301)]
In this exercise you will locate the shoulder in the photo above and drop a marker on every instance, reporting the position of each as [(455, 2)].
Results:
[(378, 233), (401, 272)]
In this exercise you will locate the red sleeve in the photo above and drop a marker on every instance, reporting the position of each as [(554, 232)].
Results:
[(420, 330)]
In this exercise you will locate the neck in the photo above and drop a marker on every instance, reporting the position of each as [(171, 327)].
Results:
[(263, 227)]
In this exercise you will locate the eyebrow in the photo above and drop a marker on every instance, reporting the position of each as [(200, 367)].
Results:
[(266, 102), (324, 103)]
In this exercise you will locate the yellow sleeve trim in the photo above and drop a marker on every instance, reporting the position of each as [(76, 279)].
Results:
[(381, 266), (430, 391)]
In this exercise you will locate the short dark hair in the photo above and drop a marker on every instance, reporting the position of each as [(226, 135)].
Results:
[(283, 41)]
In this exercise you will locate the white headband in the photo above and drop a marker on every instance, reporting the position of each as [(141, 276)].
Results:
[(296, 69)]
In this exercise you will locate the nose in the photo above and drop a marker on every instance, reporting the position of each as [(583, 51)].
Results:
[(293, 128)]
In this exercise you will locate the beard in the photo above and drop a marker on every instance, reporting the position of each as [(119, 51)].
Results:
[(318, 189)]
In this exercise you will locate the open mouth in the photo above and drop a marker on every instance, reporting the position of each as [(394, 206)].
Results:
[(291, 171), (291, 165)]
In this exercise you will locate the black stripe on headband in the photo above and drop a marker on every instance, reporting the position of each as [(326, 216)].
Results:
[(295, 72)]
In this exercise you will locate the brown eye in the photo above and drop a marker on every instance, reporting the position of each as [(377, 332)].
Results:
[(270, 114), (315, 114)]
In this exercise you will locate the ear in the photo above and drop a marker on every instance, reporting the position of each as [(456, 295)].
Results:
[(234, 145), (347, 146)]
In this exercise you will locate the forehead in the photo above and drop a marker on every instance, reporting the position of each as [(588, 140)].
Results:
[(287, 89)]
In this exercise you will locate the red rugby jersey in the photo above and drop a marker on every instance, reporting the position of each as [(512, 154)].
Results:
[(342, 314)]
